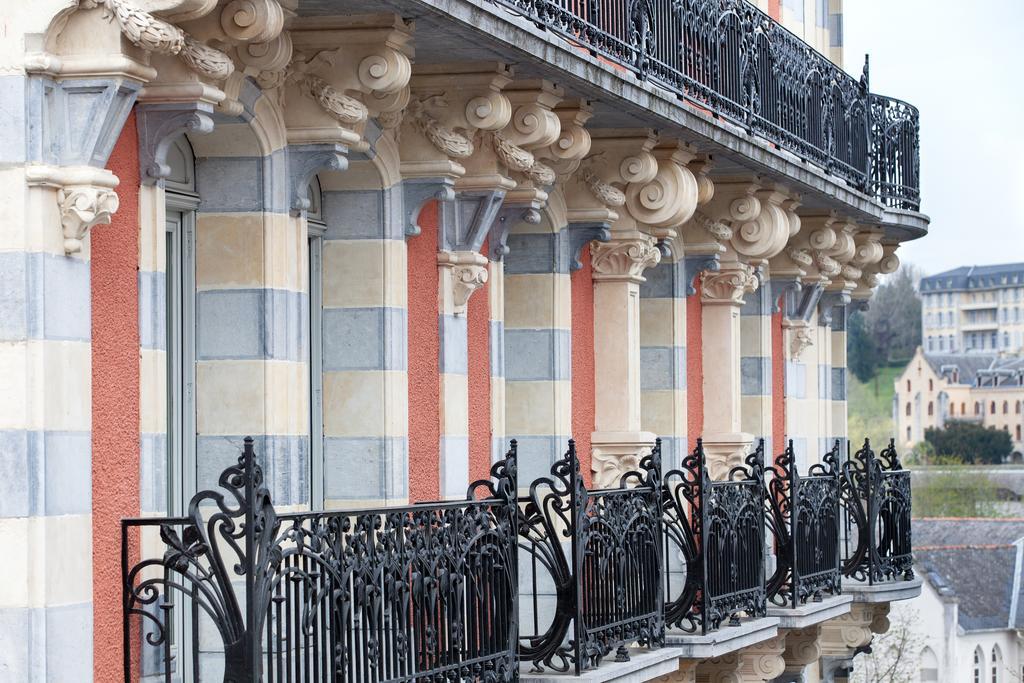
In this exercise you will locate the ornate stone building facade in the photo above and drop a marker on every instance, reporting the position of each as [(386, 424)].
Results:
[(383, 239), (974, 309), (935, 389)]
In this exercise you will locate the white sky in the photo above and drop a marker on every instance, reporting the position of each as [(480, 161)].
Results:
[(961, 62)]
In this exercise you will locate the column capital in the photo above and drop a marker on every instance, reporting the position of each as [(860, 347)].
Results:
[(728, 285), (617, 158), (624, 258)]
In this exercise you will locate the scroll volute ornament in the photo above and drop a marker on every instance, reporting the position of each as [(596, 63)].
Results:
[(728, 285), (573, 143), (345, 69), (668, 200), (766, 234), (449, 104), (617, 159), (532, 127), (723, 205)]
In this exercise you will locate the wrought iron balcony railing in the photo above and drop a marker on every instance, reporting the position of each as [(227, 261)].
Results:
[(804, 519), (594, 566), (876, 505), (423, 592), (715, 540), (560, 579), (734, 60)]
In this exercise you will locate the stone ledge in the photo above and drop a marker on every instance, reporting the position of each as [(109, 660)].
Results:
[(811, 613), (889, 591), (725, 640), (643, 665)]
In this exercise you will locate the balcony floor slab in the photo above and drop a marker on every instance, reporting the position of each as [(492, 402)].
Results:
[(811, 613), (643, 665), (725, 640), (889, 591)]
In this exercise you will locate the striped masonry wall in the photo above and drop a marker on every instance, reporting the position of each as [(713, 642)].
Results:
[(46, 604), (663, 389), (839, 428), (496, 356), (252, 312), (365, 364), (807, 379), (756, 365), (538, 347)]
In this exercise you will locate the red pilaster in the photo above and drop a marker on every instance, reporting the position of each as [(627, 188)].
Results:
[(694, 368), (478, 323), (115, 399), (581, 285)]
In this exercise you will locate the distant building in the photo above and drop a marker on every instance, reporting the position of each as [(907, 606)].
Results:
[(970, 609), (974, 309), (936, 388)]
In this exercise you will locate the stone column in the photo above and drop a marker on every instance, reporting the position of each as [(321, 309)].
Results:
[(618, 441), (722, 297)]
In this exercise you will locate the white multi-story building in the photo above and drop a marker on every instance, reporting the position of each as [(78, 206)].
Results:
[(974, 309)]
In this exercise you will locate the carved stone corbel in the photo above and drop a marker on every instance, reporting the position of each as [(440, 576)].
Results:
[(596, 193), (81, 207), (802, 648), (462, 273), (449, 105), (159, 125), (668, 200), (755, 664), (155, 35), (345, 69)]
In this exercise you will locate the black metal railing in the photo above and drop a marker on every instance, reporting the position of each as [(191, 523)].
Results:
[(422, 592), (733, 59), (715, 543), (876, 505), (591, 560), (804, 520)]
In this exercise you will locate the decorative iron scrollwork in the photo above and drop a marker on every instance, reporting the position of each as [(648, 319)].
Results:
[(388, 594), (803, 517), (718, 527), (607, 590), (877, 503)]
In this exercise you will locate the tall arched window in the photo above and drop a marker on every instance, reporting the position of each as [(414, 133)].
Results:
[(1017, 429), (931, 385), (952, 409), (908, 433), (908, 409), (992, 408), (963, 408), (1006, 407), (977, 665), (1017, 408), (997, 664), (931, 408), (977, 408), (908, 385)]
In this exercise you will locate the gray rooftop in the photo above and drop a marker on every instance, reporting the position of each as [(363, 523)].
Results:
[(975, 277), (971, 365), (975, 561)]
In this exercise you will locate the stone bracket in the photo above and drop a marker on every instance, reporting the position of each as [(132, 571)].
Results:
[(465, 222), (785, 295), (828, 302), (159, 125), (304, 162), (84, 118), (579, 236), (695, 265), (416, 192), (508, 216), (85, 197)]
